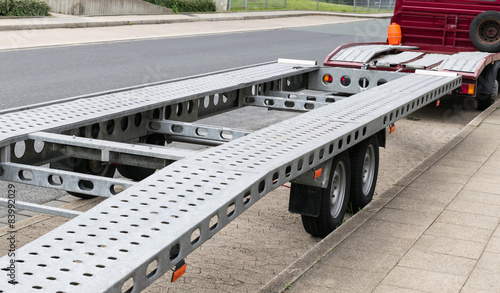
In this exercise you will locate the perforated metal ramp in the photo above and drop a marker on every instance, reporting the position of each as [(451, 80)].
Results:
[(428, 60), (396, 59), (363, 54), (166, 216), (464, 61)]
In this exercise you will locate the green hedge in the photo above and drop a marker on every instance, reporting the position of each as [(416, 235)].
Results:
[(186, 5), (23, 8)]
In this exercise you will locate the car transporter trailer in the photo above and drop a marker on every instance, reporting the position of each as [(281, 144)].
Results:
[(328, 153)]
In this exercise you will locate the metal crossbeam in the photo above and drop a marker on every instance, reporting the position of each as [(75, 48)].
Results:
[(62, 180), (112, 149), (282, 103), (307, 95), (38, 208), (169, 214), (193, 132)]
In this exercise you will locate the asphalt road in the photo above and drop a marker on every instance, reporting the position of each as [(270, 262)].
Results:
[(36, 75)]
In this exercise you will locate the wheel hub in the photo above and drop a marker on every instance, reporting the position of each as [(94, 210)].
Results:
[(489, 31), (338, 189), (368, 169)]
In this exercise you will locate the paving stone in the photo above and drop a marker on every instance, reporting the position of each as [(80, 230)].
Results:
[(377, 243), (489, 261), (341, 279), (450, 246), (303, 286), (483, 187), (480, 197), (55, 203), (19, 217), (435, 186), (28, 213), (392, 229), (410, 204), (473, 207), (393, 289), (481, 177), (349, 258), (469, 154), (424, 280), (405, 217), (451, 170), (430, 195), (468, 219), (68, 198), (471, 290), (493, 245), (461, 160), (471, 144), (459, 232), (497, 232), (437, 262), (456, 178), (484, 281), (488, 170)]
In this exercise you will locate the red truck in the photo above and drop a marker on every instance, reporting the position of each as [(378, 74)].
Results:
[(438, 35)]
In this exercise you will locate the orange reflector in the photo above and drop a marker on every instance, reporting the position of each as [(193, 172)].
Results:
[(471, 89), (438, 103), (317, 173), (327, 78), (393, 128), (394, 35), (179, 271)]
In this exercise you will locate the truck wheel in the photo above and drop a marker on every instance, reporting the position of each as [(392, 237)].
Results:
[(92, 167), (140, 173), (484, 101), (334, 199), (365, 159), (484, 31)]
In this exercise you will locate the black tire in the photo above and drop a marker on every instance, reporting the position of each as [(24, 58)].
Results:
[(140, 173), (364, 173), (484, 101), (93, 168), (484, 31), (334, 199)]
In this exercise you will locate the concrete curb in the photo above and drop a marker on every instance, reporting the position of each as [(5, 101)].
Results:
[(295, 270), (175, 18)]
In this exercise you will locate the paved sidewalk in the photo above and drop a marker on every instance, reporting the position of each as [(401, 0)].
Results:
[(71, 21), (437, 230), (70, 30)]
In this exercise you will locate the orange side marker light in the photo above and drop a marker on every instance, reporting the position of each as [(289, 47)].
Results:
[(180, 269), (392, 128), (317, 173), (438, 103)]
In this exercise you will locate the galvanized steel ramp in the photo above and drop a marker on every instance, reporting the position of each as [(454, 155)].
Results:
[(147, 229)]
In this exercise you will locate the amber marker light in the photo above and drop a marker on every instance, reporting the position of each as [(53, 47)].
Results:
[(327, 79)]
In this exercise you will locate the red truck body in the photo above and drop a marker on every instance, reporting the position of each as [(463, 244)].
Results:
[(438, 35), (439, 25)]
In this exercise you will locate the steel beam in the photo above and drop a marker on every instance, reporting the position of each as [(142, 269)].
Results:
[(38, 208), (193, 132), (62, 180), (282, 103)]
